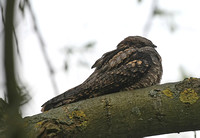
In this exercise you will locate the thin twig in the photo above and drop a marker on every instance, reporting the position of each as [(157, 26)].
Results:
[(49, 65), (3, 20), (150, 18)]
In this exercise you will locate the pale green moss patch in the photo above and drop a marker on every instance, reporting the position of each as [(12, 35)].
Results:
[(188, 96)]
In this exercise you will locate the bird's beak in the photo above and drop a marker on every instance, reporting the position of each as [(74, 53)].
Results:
[(154, 46)]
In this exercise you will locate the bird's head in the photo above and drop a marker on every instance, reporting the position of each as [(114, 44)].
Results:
[(136, 42)]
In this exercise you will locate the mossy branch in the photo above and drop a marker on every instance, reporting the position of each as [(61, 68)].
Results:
[(161, 109)]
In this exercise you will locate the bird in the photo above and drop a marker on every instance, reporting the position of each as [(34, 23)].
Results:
[(134, 64)]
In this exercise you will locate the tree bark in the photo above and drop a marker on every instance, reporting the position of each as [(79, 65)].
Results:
[(160, 109)]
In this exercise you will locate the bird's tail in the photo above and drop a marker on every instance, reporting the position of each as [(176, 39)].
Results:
[(70, 96)]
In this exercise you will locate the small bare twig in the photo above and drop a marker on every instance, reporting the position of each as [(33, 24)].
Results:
[(42, 43), (150, 18), (157, 11)]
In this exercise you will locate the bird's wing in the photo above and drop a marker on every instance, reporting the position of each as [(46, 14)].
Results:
[(113, 73), (104, 59), (116, 58)]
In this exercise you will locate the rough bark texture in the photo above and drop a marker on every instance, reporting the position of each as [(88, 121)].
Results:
[(161, 109)]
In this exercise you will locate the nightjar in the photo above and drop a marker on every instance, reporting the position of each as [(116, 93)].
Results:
[(132, 65)]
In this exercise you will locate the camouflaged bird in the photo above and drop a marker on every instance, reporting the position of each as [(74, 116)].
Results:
[(134, 64)]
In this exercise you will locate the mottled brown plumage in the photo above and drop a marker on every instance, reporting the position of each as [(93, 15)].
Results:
[(134, 64)]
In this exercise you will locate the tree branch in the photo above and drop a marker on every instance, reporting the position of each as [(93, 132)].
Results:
[(161, 109)]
